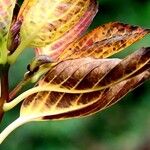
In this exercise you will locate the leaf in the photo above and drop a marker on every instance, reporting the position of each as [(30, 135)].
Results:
[(76, 31), (101, 99), (45, 27), (56, 105), (102, 42), (71, 105), (6, 13), (13, 36), (59, 94), (89, 87)]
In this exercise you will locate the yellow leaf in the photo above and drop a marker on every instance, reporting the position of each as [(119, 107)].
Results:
[(75, 32), (40, 28)]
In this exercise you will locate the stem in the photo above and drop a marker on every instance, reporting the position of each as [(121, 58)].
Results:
[(4, 51), (46, 88), (18, 122), (13, 57), (4, 88), (17, 89), (13, 103), (20, 85)]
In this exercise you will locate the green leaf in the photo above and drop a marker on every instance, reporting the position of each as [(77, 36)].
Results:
[(6, 14)]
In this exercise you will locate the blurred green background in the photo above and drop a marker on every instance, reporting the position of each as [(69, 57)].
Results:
[(124, 126)]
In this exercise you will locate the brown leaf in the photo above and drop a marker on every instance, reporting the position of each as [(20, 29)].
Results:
[(103, 41), (101, 99), (89, 73), (90, 84)]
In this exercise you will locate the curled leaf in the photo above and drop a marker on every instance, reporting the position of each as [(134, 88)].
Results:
[(13, 37), (91, 86)]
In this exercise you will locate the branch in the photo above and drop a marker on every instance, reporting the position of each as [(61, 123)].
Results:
[(17, 89), (4, 88)]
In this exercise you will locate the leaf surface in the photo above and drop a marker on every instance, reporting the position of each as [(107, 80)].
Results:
[(87, 88), (75, 32), (6, 13), (102, 42), (58, 17)]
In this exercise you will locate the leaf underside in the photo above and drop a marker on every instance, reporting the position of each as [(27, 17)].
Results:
[(91, 85)]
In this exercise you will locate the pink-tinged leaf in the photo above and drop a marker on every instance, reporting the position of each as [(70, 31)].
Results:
[(40, 28), (74, 33)]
